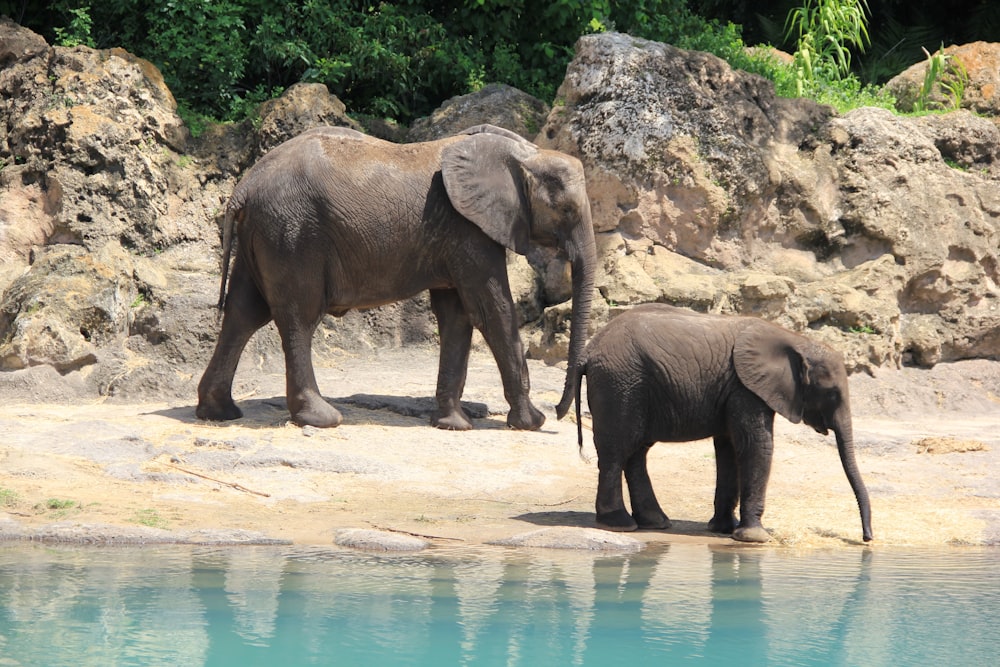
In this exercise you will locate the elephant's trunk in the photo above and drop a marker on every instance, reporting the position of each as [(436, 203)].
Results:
[(582, 251), (843, 429)]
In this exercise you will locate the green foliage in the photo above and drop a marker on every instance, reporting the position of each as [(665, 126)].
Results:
[(842, 94), (893, 49), (201, 49), (946, 74), (401, 58), (77, 32), (825, 31), (197, 122)]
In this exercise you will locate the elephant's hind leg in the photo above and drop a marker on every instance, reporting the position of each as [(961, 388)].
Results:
[(615, 438), (645, 509), (610, 505), (245, 312), (305, 403), (455, 331)]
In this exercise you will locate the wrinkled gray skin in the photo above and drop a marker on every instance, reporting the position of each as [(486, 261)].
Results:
[(334, 219), (662, 374)]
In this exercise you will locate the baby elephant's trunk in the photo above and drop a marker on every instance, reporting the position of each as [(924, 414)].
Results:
[(844, 432)]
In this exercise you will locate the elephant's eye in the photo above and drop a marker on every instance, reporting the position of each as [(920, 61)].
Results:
[(831, 396)]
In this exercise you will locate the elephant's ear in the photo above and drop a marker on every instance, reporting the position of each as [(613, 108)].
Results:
[(485, 183), (769, 364)]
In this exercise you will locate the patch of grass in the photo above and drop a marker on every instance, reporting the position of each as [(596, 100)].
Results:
[(59, 504), (150, 518), (58, 508), (9, 497), (862, 329)]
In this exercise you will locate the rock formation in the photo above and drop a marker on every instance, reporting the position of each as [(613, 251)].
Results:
[(109, 223), (877, 233)]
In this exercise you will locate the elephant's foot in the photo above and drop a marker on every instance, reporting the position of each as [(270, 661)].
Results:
[(217, 409), (453, 420), (529, 419), (652, 520), (724, 525), (618, 521), (317, 413), (751, 534)]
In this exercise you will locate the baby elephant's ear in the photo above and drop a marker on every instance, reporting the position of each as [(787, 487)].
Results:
[(768, 364)]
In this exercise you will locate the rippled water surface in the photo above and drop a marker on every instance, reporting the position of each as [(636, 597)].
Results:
[(271, 606)]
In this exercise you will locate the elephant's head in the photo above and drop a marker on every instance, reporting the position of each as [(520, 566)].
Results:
[(518, 194), (803, 381)]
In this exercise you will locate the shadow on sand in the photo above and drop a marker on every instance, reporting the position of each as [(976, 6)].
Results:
[(382, 410)]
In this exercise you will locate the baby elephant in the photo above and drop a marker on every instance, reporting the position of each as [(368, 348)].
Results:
[(662, 374)]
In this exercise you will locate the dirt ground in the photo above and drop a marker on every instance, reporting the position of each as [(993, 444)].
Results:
[(928, 448)]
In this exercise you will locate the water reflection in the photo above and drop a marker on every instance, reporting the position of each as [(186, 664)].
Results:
[(239, 606)]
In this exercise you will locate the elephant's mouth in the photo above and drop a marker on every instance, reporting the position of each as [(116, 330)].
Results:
[(817, 421)]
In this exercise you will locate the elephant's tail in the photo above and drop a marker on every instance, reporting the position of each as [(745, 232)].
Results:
[(579, 409), (228, 224)]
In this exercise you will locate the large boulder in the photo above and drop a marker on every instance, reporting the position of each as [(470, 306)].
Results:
[(870, 230), (497, 104), (95, 177), (903, 194), (301, 107)]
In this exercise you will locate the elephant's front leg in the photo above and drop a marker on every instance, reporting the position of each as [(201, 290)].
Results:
[(727, 487), (754, 440), (491, 308), (523, 414), (455, 331)]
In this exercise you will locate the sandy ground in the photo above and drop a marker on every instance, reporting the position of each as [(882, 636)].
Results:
[(88, 470)]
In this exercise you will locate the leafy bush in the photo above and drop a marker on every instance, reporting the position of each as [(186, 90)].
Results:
[(397, 59), (826, 30), (78, 30)]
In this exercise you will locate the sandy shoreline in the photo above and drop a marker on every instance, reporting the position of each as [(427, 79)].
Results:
[(114, 466)]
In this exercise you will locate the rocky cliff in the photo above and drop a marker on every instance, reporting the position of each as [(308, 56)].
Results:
[(875, 232)]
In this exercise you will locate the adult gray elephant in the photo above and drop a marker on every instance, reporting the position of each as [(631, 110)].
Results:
[(662, 374), (334, 219)]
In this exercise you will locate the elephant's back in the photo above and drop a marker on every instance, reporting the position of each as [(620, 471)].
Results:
[(326, 159), (664, 344)]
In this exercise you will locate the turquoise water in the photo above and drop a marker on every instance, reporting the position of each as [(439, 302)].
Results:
[(670, 604)]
